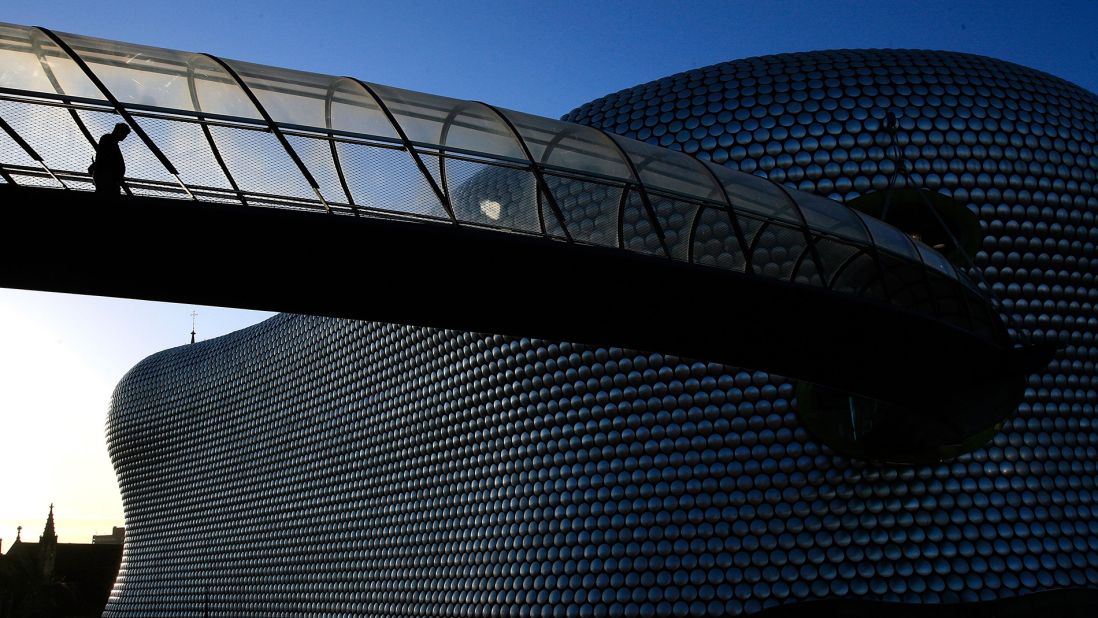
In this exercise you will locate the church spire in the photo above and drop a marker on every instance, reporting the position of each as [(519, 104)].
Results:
[(49, 535), (47, 548)]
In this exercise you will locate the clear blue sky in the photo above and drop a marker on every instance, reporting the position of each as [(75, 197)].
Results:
[(546, 57), (63, 354)]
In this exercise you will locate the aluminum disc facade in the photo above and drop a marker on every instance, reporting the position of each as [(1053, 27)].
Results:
[(310, 466)]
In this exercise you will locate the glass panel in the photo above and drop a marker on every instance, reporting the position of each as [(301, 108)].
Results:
[(906, 283), (187, 148), (55, 73), (316, 154), (475, 127), (217, 92), (570, 146), (354, 110), (824, 215), (388, 179), (675, 217), (777, 249), (137, 73), (259, 163), (52, 133), (660, 168), (590, 209), (715, 242), (888, 237), (933, 259), (433, 168), (291, 97), (833, 257), (11, 153), (422, 116), (550, 219), (858, 275), (21, 68), (637, 230), (807, 273), (441, 121), (491, 195), (756, 195)]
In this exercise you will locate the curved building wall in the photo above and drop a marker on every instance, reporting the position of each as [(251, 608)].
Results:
[(1020, 148), (311, 466)]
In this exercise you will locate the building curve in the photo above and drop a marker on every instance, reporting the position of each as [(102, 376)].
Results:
[(390, 470)]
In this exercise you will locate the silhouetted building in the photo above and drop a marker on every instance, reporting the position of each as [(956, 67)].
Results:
[(116, 537), (50, 579)]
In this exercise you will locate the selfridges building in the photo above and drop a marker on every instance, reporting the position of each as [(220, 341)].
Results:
[(314, 466)]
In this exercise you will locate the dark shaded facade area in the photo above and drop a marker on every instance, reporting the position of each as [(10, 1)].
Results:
[(318, 466), (48, 579)]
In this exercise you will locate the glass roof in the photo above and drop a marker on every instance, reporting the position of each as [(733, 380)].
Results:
[(245, 133), (661, 169), (31, 61)]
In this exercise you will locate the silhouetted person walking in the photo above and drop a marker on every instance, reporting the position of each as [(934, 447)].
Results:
[(109, 167)]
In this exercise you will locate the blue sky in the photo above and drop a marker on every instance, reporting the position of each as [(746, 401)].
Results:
[(546, 57), (63, 354)]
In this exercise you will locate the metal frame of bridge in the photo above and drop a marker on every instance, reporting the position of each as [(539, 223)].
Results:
[(579, 209)]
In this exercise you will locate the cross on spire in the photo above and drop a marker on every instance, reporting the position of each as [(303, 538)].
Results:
[(194, 314)]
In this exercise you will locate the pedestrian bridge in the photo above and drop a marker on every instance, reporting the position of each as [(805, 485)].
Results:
[(270, 188)]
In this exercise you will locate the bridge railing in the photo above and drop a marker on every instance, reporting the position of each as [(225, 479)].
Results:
[(215, 130)]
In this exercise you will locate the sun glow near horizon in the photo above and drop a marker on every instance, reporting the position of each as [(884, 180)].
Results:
[(52, 400), (61, 357)]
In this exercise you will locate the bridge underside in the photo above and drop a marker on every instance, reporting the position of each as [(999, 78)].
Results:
[(470, 279)]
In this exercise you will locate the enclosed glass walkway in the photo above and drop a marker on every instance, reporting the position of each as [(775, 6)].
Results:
[(209, 129)]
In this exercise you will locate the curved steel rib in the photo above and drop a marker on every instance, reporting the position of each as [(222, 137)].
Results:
[(273, 126), (443, 197), (538, 175)]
